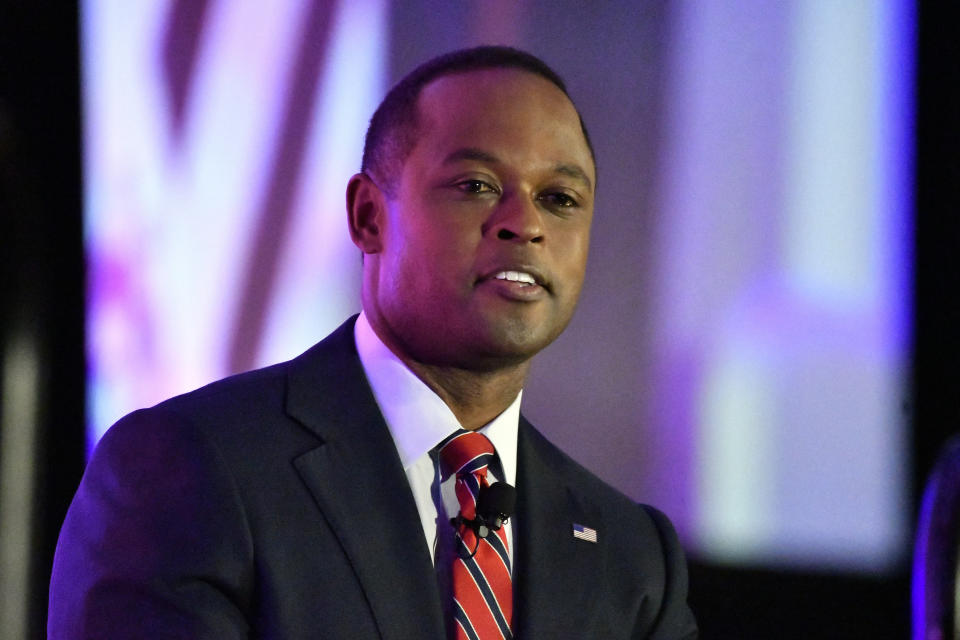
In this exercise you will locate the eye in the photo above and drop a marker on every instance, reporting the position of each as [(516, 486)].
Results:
[(472, 187), (558, 199), (475, 186)]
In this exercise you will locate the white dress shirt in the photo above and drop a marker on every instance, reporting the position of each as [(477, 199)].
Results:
[(418, 421)]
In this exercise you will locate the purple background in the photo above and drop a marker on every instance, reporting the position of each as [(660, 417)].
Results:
[(739, 354)]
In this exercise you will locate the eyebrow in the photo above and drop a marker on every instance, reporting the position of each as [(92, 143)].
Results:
[(575, 172), (471, 153), (479, 155)]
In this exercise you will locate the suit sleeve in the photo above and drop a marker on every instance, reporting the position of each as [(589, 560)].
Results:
[(675, 620), (155, 543)]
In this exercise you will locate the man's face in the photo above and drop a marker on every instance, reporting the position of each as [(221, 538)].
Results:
[(484, 241)]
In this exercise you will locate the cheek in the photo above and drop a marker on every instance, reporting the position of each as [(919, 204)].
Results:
[(445, 249), (576, 247), (414, 273)]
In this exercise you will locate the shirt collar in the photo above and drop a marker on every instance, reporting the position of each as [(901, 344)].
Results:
[(418, 419)]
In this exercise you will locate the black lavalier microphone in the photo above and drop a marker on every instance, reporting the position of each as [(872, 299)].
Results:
[(495, 505)]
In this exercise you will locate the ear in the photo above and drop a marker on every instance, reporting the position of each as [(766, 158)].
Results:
[(366, 212)]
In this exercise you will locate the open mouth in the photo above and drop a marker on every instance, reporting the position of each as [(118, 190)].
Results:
[(516, 276), (525, 284)]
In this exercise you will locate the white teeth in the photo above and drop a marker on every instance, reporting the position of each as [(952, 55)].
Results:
[(516, 276)]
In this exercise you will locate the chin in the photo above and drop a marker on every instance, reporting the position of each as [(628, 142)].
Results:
[(517, 344)]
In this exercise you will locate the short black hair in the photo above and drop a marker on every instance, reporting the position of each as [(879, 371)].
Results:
[(393, 128)]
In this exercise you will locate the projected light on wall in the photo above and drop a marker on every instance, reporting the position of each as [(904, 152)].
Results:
[(784, 298), (218, 138)]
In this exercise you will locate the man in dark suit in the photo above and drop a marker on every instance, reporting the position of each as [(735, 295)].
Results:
[(305, 499)]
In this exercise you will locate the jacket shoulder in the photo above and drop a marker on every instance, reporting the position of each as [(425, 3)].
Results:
[(254, 397)]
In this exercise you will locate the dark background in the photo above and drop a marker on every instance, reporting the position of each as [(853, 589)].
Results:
[(42, 284)]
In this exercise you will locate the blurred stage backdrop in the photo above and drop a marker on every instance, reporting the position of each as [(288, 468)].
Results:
[(740, 354)]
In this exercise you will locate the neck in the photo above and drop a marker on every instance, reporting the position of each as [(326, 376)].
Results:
[(475, 397)]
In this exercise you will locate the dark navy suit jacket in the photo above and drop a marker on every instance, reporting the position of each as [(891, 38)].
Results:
[(273, 504)]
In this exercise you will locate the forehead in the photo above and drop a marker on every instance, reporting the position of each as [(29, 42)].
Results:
[(511, 113)]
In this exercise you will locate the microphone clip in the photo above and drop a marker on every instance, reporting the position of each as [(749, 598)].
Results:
[(480, 527), (495, 505)]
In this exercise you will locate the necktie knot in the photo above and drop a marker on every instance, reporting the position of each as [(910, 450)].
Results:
[(465, 452)]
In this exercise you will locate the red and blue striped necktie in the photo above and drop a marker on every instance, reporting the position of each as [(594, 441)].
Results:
[(482, 586)]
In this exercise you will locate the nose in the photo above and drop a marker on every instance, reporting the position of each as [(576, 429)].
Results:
[(516, 219)]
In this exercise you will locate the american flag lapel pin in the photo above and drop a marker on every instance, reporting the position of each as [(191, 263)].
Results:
[(581, 532)]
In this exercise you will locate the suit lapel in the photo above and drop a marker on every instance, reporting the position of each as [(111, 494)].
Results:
[(556, 574), (357, 480)]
